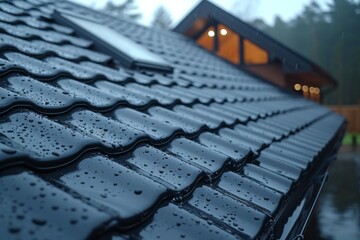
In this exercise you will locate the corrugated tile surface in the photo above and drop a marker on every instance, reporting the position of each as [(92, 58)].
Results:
[(90, 149)]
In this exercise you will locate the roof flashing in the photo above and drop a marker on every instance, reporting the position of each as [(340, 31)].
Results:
[(129, 53)]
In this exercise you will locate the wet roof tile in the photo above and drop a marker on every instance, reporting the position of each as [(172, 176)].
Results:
[(127, 193), (177, 223), (205, 152), (176, 174), (31, 207), (246, 221)]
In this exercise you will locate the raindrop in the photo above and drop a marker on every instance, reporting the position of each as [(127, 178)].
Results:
[(138, 192), (14, 230), (39, 221)]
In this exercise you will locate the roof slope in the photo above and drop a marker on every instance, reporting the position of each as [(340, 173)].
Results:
[(89, 148)]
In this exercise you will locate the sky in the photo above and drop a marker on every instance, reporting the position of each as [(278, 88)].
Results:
[(245, 9)]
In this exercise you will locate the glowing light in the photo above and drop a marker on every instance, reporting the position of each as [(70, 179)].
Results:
[(297, 87), (223, 32), (305, 88), (317, 90), (312, 90), (211, 33)]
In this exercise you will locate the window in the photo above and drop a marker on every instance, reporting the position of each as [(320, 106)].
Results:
[(206, 40), (129, 53), (227, 44), (254, 54)]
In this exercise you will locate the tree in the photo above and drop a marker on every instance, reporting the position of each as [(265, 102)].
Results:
[(161, 18), (330, 38), (259, 24), (128, 9)]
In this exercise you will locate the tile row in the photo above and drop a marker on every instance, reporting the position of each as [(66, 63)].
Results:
[(38, 48), (65, 94), (67, 136)]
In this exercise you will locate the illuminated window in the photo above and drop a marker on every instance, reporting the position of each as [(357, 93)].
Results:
[(229, 44), (207, 39), (253, 54), (226, 44)]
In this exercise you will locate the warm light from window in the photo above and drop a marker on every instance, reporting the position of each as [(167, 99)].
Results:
[(317, 90), (223, 32), (305, 88), (211, 33), (297, 87)]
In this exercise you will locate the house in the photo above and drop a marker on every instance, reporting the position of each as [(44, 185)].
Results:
[(254, 51), (111, 130)]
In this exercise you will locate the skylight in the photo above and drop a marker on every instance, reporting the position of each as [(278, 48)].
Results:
[(129, 53)]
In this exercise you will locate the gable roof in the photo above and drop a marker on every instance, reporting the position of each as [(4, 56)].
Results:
[(206, 13), (90, 149)]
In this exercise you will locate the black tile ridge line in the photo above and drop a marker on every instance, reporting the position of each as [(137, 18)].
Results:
[(23, 14), (98, 146), (20, 21), (280, 207), (58, 73), (37, 37), (130, 79), (53, 111), (107, 150), (34, 7), (49, 53)]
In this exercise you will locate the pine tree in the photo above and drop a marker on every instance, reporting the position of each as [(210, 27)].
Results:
[(161, 18), (128, 9)]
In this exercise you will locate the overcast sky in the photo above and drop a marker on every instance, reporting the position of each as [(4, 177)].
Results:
[(246, 9)]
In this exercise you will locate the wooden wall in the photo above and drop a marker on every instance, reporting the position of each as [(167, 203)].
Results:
[(352, 114)]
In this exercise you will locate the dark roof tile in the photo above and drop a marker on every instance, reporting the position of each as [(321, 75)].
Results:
[(113, 186), (285, 167), (268, 178), (173, 222), (42, 95), (188, 125), (244, 220), (250, 191), (234, 150), (31, 208), (49, 143), (30, 33), (113, 134), (157, 130), (205, 158), (176, 174)]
